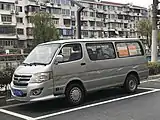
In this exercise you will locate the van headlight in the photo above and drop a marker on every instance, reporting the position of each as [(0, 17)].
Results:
[(41, 77)]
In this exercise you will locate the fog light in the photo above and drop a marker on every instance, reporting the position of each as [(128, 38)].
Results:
[(36, 91)]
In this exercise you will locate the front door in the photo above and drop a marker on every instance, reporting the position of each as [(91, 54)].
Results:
[(71, 68)]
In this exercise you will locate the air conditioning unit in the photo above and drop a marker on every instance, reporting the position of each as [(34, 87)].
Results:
[(17, 13), (12, 12), (52, 3), (37, 3), (16, 2)]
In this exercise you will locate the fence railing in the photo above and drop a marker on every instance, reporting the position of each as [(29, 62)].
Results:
[(11, 60)]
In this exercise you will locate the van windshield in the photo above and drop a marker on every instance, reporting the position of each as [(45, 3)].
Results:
[(42, 54)]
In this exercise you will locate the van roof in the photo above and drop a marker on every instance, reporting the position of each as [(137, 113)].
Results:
[(91, 40)]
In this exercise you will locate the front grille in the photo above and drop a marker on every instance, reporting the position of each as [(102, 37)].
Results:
[(21, 80)]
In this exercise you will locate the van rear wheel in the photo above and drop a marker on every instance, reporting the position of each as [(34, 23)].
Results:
[(75, 94), (131, 83)]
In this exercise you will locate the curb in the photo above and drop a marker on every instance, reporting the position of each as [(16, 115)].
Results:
[(153, 77)]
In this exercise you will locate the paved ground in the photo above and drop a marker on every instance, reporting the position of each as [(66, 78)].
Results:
[(112, 104)]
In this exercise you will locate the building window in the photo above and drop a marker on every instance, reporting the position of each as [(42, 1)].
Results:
[(91, 6), (5, 6), (20, 31), (64, 2), (92, 14), (72, 4), (66, 12), (99, 24), (6, 18), (99, 6), (85, 33), (56, 11), (29, 31), (67, 32), (73, 23), (7, 30), (19, 20), (84, 13), (56, 21), (72, 13), (28, 19), (19, 8), (67, 22)]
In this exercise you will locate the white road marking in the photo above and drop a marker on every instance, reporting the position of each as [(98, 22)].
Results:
[(96, 104), (8, 100), (153, 80), (14, 105), (147, 88), (17, 115)]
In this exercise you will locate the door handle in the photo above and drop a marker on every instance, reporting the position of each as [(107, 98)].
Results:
[(83, 63)]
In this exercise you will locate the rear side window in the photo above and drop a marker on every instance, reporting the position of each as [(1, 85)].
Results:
[(126, 49), (100, 51)]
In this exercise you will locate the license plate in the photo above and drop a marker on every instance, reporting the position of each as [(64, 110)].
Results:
[(17, 92)]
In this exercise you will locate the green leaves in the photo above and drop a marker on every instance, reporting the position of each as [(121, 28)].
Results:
[(144, 27), (44, 29)]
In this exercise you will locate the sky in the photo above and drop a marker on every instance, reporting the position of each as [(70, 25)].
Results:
[(143, 3)]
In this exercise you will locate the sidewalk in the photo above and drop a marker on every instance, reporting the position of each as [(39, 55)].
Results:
[(154, 77)]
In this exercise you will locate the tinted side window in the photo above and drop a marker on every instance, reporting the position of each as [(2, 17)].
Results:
[(122, 50), (134, 49), (126, 49), (71, 52), (100, 51)]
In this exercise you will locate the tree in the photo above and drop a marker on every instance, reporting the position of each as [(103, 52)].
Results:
[(44, 29), (144, 27)]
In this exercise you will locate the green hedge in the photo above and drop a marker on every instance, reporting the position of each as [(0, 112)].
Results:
[(154, 68), (6, 75)]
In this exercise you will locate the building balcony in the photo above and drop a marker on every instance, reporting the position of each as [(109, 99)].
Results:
[(91, 28), (84, 27), (8, 23), (30, 25), (125, 21), (65, 16), (30, 37), (85, 18), (99, 19), (111, 29)]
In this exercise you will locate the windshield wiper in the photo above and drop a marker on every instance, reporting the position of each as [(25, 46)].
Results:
[(25, 63), (37, 63)]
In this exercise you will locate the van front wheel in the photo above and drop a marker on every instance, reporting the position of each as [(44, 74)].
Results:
[(75, 94), (131, 83)]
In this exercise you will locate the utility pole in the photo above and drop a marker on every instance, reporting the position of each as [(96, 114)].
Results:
[(154, 31), (78, 18)]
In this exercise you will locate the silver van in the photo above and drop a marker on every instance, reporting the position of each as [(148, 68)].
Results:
[(72, 68)]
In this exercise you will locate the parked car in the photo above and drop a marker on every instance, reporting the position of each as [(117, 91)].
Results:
[(72, 68)]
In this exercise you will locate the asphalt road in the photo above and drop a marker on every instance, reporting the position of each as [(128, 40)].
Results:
[(112, 104)]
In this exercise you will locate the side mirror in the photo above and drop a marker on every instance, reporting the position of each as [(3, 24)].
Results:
[(58, 59)]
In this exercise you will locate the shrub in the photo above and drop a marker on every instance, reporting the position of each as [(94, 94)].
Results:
[(6, 75), (154, 68)]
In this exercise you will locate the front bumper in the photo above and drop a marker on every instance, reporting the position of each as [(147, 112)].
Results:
[(46, 93)]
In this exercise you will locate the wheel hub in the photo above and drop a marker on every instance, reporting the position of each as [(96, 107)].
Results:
[(75, 94)]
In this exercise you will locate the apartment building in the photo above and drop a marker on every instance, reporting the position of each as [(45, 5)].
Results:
[(99, 19)]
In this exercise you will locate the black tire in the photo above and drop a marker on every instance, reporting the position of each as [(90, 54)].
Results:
[(131, 83), (71, 92)]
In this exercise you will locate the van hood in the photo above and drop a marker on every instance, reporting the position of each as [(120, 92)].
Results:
[(31, 69)]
